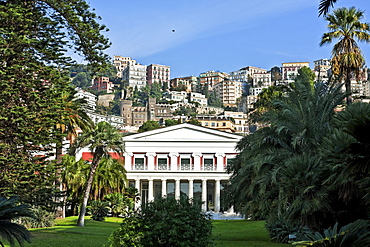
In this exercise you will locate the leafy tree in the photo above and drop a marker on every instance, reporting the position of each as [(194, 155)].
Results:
[(170, 122), (214, 100), (155, 91), (9, 231), (149, 125), (82, 80), (101, 140), (275, 74), (347, 59), (186, 111), (194, 121), (305, 75), (36, 35)]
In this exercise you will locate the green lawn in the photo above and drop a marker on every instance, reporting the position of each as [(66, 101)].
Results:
[(228, 233)]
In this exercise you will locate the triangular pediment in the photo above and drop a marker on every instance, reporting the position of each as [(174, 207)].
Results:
[(183, 132)]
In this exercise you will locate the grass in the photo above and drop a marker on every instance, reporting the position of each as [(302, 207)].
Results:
[(228, 233)]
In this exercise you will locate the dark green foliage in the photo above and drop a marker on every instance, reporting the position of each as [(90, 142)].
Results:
[(149, 125), (280, 229), (41, 218), (215, 100), (130, 233), (165, 222), (356, 234), (11, 232), (170, 122), (118, 203), (194, 121), (99, 210), (279, 169), (35, 37), (186, 111)]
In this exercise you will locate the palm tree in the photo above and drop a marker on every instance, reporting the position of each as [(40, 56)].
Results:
[(101, 140), (347, 59), (285, 151), (12, 232), (73, 119), (325, 6)]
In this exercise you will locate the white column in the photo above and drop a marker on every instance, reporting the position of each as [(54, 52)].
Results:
[(217, 195), (164, 187), (128, 162), (150, 191), (177, 189), (220, 162), (197, 156), (137, 186), (191, 189), (150, 157), (174, 161), (204, 195)]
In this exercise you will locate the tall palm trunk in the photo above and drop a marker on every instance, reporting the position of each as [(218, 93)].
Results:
[(348, 86), (94, 165), (58, 181)]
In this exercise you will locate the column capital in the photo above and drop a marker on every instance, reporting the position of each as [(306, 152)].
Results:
[(217, 179), (164, 179), (196, 154), (130, 154), (191, 179), (172, 154), (220, 155), (152, 154)]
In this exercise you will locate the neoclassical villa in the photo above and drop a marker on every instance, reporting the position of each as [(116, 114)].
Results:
[(180, 159)]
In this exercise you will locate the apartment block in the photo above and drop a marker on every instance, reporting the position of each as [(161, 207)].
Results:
[(158, 74), (134, 75), (290, 70), (120, 63), (102, 84), (212, 77), (228, 91)]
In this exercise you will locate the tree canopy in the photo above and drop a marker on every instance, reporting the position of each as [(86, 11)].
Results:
[(36, 37)]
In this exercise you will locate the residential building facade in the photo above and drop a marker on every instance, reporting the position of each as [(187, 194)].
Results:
[(158, 74), (134, 75)]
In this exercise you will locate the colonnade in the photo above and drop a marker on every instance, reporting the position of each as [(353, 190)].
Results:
[(210, 190)]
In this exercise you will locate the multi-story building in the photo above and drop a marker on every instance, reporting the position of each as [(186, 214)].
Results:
[(228, 91), (88, 97), (158, 74), (290, 70), (262, 80), (180, 159), (121, 63), (221, 123), (240, 121), (181, 96), (102, 84), (211, 78), (115, 121), (198, 97), (245, 75), (189, 82), (134, 75), (322, 69)]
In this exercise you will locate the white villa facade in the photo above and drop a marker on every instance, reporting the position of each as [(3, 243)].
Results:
[(180, 159)]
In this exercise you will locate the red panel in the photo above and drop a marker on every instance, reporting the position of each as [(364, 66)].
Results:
[(87, 156)]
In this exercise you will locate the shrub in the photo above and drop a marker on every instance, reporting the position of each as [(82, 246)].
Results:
[(355, 234), (99, 210), (41, 219), (165, 222), (279, 229)]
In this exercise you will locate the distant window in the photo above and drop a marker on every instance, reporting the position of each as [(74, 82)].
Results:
[(139, 163), (162, 164), (185, 164), (208, 164)]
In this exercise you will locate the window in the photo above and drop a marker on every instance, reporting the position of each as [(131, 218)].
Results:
[(208, 164), (185, 164), (162, 164), (139, 163)]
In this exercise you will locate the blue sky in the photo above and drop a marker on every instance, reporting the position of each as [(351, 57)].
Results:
[(218, 34)]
